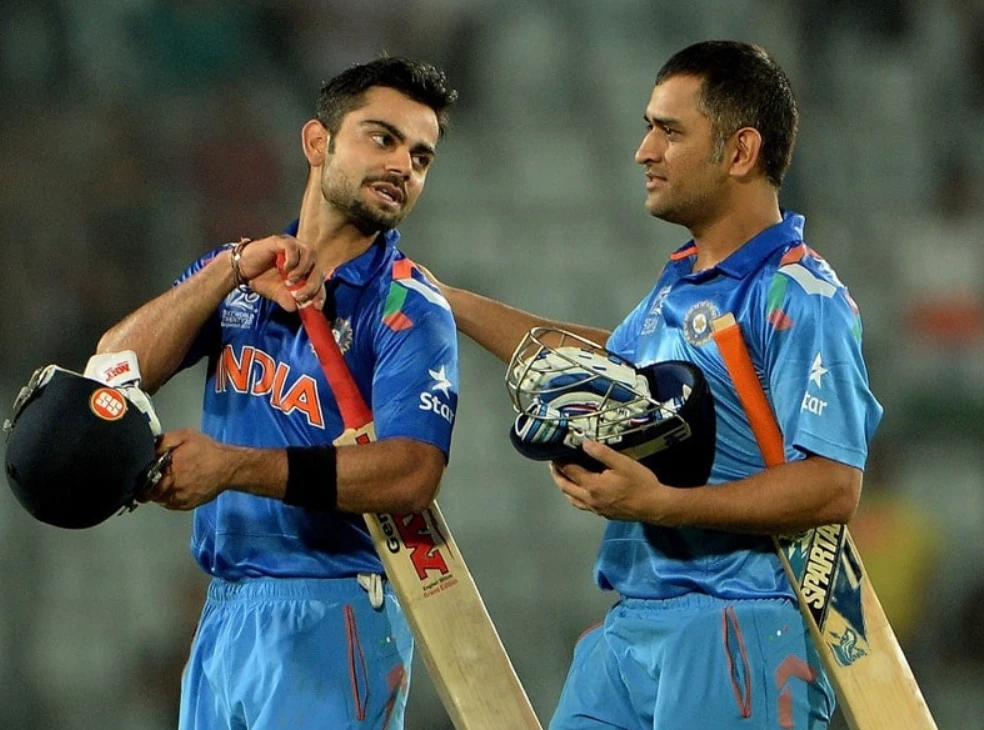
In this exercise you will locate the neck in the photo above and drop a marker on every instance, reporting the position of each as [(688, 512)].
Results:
[(740, 220), (328, 230)]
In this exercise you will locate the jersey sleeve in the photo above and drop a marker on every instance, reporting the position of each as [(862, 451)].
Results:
[(623, 340), (814, 364), (415, 381), (208, 339)]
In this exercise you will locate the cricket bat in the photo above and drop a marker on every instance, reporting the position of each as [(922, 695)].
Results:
[(874, 684), (460, 646)]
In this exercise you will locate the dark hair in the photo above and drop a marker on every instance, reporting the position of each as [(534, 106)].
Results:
[(742, 86), (420, 81)]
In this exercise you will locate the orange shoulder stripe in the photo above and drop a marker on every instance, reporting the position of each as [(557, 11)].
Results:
[(402, 268), (794, 254)]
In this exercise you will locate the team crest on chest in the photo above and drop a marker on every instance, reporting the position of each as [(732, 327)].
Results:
[(697, 322), (342, 329)]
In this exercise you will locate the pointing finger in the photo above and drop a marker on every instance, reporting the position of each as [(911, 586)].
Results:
[(605, 454), (573, 473)]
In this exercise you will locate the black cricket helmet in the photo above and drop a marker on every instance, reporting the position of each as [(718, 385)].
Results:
[(566, 388), (78, 451)]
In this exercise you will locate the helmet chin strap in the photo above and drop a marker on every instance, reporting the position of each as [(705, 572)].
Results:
[(155, 473)]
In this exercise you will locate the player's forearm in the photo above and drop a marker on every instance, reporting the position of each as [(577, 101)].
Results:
[(262, 472), (393, 475), (780, 500), (498, 328), (163, 329)]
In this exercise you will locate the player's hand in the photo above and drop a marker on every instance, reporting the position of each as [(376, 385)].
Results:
[(200, 469), (258, 266), (429, 275), (625, 490)]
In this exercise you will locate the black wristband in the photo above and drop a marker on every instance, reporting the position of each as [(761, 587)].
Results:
[(312, 478)]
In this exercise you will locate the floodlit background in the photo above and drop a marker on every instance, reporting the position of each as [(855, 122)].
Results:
[(136, 134)]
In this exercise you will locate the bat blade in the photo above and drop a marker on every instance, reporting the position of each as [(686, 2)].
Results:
[(461, 649), (874, 684), (873, 681), (364, 434), (458, 642)]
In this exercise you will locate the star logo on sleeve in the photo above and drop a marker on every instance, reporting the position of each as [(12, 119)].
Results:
[(817, 371), (441, 381)]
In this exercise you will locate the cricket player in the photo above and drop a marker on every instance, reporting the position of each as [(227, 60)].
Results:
[(706, 631), (299, 629)]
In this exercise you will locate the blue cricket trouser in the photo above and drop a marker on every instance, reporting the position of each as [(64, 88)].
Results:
[(696, 663), (296, 654)]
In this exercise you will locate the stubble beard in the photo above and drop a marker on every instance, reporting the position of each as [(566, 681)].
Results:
[(340, 193), (679, 212), (687, 210)]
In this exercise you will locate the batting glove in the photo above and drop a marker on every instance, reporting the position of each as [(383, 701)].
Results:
[(120, 370)]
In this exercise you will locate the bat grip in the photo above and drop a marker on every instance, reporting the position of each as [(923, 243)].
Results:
[(738, 363), (351, 405)]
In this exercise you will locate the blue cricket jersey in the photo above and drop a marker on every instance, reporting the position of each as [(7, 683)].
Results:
[(803, 332), (265, 388)]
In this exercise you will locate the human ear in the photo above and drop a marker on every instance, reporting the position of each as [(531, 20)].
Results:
[(746, 150), (314, 141)]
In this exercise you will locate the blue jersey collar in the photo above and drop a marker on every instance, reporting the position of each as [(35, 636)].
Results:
[(364, 267), (747, 258)]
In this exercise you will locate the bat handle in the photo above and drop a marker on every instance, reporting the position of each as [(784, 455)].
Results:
[(352, 406)]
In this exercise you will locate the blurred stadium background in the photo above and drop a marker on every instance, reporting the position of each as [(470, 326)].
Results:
[(136, 134)]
